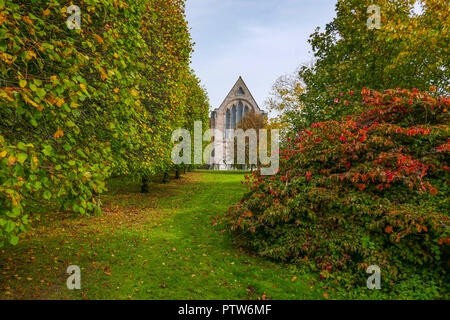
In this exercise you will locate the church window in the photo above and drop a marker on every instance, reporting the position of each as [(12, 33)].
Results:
[(233, 117), (228, 123), (239, 112)]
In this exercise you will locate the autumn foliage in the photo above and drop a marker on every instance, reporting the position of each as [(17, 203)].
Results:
[(77, 106), (371, 189)]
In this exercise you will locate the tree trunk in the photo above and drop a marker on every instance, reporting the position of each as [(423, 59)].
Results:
[(166, 177), (177, 174), (144, 185)]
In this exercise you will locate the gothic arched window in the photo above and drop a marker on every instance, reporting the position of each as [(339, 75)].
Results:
[(227, 123), (239, 112), (233, 117), (213, 120), (245, 110)]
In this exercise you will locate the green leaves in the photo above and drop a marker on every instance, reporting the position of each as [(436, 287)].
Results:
[(47, 150), (407, 52), (21, 157), (47, 195), (370, 189), (14, 240), (97, 101)]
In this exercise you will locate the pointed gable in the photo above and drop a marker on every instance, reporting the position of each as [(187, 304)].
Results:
[(240, 91), (234, 107)]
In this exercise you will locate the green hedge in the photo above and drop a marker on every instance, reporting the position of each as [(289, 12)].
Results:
[(79, 105)]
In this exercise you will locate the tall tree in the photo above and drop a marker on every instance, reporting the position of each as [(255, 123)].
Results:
[(285, 103), (408, 50)]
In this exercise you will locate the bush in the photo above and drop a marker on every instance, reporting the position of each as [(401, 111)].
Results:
[(369, 190)]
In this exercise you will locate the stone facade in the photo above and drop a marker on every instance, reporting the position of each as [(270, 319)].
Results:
[(237, 103)]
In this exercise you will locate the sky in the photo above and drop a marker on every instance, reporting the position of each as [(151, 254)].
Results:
[(259, 40)]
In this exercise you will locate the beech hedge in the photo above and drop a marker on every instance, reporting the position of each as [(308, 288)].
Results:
[(78, 105)]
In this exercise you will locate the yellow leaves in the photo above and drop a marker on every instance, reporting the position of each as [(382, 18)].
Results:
[(22, 83), (30, 55), (116, 90), (56, 101), (2, 18), (116, 56), (34, 104), (103, 74), (51, 99), (7, 58), (34, 162), (58, 134), (46, 12), (11, 160), (83, 86), (134, 92), (7, 94), (294, 278), (53, 78), (99, 39), (3, 154), (27, 20), (60, 102), (433, 89)]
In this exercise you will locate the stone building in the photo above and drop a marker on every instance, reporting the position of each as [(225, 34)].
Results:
[(227, 117)]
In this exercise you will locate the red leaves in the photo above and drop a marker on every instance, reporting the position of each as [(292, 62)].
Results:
[(444, 148), (247, 214), (369, 172), (389, 176), (434, 191), (361, 187), (416, 131), (308, 176)]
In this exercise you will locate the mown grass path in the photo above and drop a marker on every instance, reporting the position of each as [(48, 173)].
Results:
[(160, 245)]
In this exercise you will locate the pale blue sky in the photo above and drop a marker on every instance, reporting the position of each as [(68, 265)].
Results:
[(257, 39)]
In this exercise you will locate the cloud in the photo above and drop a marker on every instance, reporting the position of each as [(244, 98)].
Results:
[(258, 39)]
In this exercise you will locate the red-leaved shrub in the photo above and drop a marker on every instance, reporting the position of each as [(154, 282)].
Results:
[(369, 190)]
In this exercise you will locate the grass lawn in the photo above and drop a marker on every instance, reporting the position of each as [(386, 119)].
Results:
[(160, 245)]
